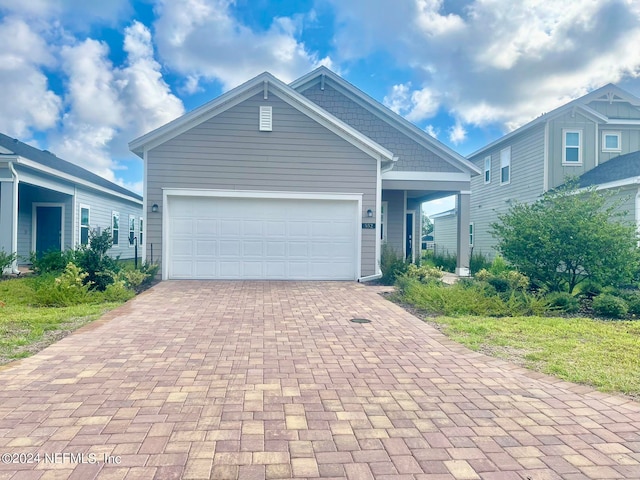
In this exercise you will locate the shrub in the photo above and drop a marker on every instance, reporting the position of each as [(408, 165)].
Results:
[(101, 269), (133, 278), (590, 289), (563, 302), (517, 281), (391, 264), (501, 284), (498, 266), (610, 306), (634, 306), (117, 292), (478, 262), (52, 261), (67, 289), (446, 261), (424, 273), (6, 259)]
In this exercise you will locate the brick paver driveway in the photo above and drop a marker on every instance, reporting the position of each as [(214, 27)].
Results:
[(271, 380)]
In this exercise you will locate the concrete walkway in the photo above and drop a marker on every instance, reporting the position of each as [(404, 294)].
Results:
[(257, 380)]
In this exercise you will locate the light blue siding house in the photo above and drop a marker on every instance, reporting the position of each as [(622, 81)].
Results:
[(595, 137), (299, 181), (47, 203)]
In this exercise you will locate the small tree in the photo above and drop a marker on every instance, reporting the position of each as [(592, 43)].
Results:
[(427, 226), (568, 236)]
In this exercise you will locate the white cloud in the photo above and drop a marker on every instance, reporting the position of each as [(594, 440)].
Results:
[(414, 105), (487, 61), (433, 131), (108, 106), (457, 133), (202, 40), (28, 103)]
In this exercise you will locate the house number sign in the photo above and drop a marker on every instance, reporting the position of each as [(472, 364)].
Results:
[(368, 226)]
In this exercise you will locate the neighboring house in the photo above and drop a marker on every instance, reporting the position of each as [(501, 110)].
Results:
[(47, 203), (445, 232), (595, 137), (299, 181)]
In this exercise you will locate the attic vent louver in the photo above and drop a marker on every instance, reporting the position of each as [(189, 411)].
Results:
[(266, 118)]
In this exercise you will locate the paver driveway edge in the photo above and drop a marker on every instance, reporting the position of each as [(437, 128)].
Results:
[(271, 380)]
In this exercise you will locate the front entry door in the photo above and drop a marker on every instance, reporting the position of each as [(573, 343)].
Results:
[(409, 237), (48, 228)]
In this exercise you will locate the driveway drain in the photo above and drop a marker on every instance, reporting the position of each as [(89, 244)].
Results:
[(360, 320)]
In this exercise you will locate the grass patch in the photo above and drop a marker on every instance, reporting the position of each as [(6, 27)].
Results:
[(603, 354), (26, 329)]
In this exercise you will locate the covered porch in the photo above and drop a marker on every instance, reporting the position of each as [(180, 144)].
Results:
[(403, 194)]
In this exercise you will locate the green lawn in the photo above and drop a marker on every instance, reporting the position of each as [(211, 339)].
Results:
[(26, 329), (603, 354)]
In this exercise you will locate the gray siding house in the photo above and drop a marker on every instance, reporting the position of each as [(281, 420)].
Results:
[(47, 203), (595, 137), (299, 181)]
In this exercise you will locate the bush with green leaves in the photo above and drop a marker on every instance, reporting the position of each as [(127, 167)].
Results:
[(610, 306), (563, 302), (392, 265), (559, 240), (6, 259), (424, 273), (67, 289), (101, 269), (51, 261), (117, 292)]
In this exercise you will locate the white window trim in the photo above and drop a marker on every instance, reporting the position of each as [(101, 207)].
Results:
[(80, 208), (606, 133), (504, 164), (564, 147), (472, 234), (113, 214), (487, 169), (384, 214), (131, 244)]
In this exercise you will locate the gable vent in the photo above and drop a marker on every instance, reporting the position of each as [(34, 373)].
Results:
[(266, 117)]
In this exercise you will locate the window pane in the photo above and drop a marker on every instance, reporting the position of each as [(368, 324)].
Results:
[(115, 237), (84, 216), (572, 155), (611, 141), (504, 174), (84, 235), (116, 221), (487, 176), (572, 139)]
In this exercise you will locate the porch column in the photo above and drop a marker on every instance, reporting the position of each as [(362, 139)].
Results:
[(463, 206), (8, 217)]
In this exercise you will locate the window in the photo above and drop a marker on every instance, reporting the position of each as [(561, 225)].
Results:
[(572, 147), (115, 227), (132, 230), (487, 170), (471, 234), (505, 166), (84, 225), (611, 142), (140, 233), (383, 217)]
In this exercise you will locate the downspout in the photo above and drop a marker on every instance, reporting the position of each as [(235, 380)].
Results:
[(370, 277), (14, 219)]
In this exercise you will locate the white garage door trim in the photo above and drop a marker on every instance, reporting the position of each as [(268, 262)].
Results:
[(167, 193)]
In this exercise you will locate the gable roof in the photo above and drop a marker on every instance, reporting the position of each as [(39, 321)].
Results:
[(619, 168), (269, 84), (609, 92), (322, 73), (10, 147)]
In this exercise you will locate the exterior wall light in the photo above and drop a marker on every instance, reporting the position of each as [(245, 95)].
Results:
[(369, 213), (154, 208)]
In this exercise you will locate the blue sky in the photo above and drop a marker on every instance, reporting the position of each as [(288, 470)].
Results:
[(82, 79)]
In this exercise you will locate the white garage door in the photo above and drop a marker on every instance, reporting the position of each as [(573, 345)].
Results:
[(262, 238)]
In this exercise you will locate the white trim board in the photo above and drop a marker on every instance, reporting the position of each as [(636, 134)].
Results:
[(433, 176)]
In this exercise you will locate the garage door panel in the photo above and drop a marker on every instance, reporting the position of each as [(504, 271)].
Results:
[(206, 248), (229, 248), (262, 238), (252, 248)]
